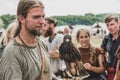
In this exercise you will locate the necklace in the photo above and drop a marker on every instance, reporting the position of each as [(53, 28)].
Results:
[(51, 38), (23, 40)]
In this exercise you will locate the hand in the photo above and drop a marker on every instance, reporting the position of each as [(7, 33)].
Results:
[(87, 66), (73, 65), (73, 68), (54, 54)]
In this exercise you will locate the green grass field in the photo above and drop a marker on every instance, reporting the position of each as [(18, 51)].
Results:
[(96, 40)]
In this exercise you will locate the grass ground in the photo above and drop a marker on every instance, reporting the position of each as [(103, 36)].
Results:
[(96, 40)]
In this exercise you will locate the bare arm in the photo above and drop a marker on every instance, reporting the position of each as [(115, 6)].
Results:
[(117, 75), (99, 69)]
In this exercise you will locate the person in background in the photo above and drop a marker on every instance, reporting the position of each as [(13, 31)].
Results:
[(66, 31), (53, 41), (111, 42), (71, 29), (60, 32), (26, 57), (10, 32), (92, 57)]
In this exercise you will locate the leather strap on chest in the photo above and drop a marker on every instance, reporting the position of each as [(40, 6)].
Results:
[(43, 65)]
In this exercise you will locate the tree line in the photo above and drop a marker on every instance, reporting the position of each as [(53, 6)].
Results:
[(87, 19)]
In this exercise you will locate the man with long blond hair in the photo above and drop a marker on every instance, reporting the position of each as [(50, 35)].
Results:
[(26, 56)]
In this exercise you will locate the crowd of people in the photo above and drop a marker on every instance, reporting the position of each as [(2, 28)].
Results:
[(27, 56)]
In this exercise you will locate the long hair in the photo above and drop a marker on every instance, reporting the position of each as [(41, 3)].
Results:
[(24, 7), (9, 31), (91, 48), (79, 31), (117, 54), (68, 51), (118, 36)]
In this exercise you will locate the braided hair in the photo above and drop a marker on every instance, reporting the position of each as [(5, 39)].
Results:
[(68, 51)]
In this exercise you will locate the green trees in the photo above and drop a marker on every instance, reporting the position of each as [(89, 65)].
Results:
[(7, 19), (1, 23), (87, 19)]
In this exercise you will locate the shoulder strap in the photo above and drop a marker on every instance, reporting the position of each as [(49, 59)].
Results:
[(43, 66)]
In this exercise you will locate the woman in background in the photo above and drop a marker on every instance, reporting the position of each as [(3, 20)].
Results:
[(10, 32), (92, 57), (9, 35)]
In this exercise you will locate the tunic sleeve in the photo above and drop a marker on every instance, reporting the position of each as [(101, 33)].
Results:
[(9, 66), (102, 52)]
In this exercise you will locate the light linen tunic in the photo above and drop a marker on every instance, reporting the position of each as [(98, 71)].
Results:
[(56, 42), (23, 63)]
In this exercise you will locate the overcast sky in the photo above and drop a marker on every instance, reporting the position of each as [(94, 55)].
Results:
[(67, 7)]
